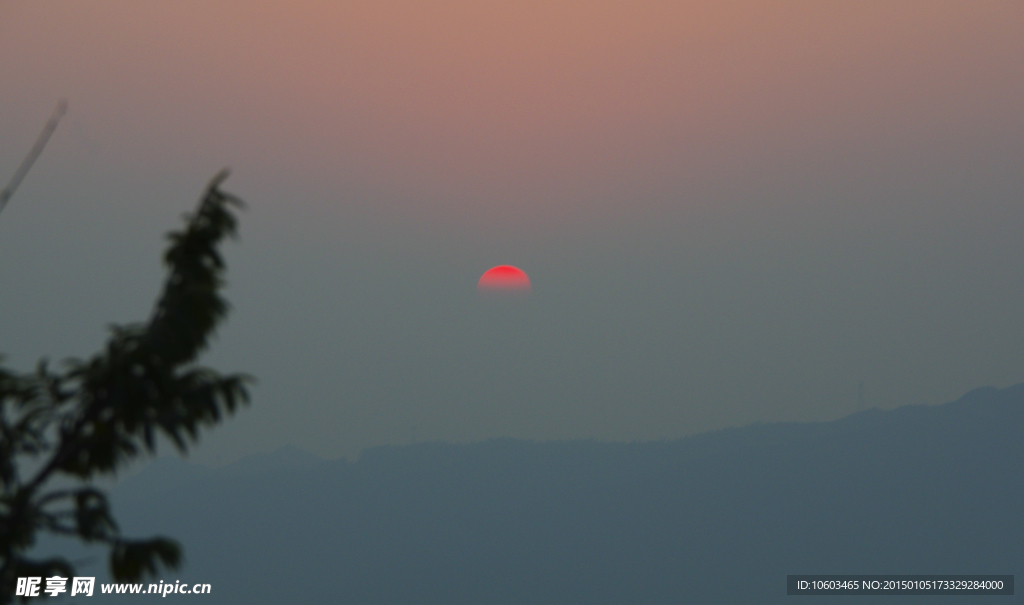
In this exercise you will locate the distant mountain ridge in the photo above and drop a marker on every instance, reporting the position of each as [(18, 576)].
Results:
[(720, 517)]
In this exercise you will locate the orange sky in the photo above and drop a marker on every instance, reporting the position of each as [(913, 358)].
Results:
[(505, 103), (729, 211)]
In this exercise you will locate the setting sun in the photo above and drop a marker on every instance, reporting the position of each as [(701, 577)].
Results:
[(504, 278)]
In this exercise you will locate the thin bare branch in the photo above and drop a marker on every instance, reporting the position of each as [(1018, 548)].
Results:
[(33, 154)]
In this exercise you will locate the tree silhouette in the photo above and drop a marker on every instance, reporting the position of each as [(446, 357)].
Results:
[(99, 414)]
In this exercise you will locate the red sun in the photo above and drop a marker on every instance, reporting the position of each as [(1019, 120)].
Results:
[(504, 278)]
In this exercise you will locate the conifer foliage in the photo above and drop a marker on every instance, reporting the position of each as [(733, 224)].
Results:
[(98, 414)]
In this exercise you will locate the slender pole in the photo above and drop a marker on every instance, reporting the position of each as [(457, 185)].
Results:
[(33, 153)]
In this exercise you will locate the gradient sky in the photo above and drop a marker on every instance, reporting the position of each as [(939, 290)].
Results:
[(730, 212)]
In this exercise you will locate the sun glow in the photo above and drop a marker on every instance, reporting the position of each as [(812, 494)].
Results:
[(504, 278)]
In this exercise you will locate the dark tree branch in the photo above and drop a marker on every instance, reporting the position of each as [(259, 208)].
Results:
[(101, 413), (33, 154)]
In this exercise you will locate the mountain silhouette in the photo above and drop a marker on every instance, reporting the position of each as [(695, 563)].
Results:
[(721, 517)]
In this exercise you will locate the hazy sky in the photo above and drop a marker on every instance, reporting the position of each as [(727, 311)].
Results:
[(729, 211)]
